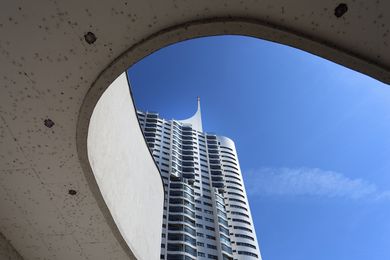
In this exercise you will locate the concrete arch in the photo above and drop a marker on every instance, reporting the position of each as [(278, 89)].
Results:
[(52, 56), (212, 27)]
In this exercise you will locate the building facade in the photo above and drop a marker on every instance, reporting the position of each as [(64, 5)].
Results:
[(206, 211)]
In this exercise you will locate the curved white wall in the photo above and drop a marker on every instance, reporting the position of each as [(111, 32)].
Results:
[(125, 171)]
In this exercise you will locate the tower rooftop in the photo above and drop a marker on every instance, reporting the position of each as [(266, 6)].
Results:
[(196, 119)]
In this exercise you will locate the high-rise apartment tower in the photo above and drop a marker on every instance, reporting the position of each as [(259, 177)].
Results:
[(206, 210)]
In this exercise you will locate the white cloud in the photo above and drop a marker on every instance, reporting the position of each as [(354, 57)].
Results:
[(310, 182)]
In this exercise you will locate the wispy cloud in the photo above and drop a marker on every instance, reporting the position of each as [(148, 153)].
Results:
[(310, 182)]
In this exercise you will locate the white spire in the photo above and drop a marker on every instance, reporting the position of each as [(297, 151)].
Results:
[(195, 120)]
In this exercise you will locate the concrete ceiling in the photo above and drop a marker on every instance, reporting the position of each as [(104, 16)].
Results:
[(52, 52)]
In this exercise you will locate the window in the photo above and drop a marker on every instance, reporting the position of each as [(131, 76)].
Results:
[(224, 230), (225, 152), (222, 221), (207, 197), (246, 244), (203, 160), (208, 212), (210, 237), (247, 253), (240, 201), (244, 236), (207, 204), (232, 177), (211, 246), (236, 194), (242, 221), (234, 182), (209, 220), (238, 207), (210, 228), (243, 228), (212, 256), (239, 213)]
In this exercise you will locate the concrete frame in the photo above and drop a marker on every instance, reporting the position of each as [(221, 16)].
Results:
[(58, 61)]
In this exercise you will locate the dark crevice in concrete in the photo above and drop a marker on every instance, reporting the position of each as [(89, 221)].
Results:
[(72, 192), (90, 37), (340, 10), (49, 123)]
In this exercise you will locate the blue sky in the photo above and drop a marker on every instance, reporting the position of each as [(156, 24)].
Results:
[(313, 139)]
